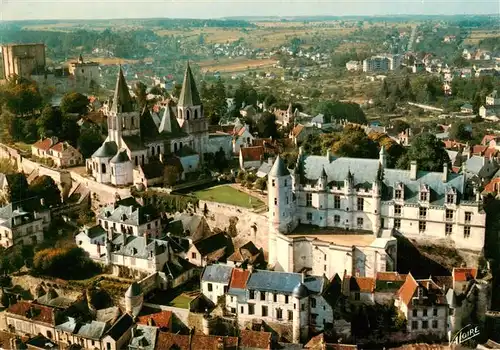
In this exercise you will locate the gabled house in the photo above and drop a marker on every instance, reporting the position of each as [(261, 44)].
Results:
[(241, 138), (161, 319), (210, 250), (119, 334), (194, 226), (62, 154), (25, 318), (359, 289), (215, 281), (251, 157), (247, 255)]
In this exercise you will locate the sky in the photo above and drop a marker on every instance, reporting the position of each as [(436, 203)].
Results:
[(104, 9)]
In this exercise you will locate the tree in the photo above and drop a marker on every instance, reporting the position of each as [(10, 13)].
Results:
[(267, 125), (140, 93), (46, 188), (18, 188), (458, 131), (400, 126), (170, 175), (355, 144), (428, 151), (341, 110), (66, 263), (384, 91), (89, 141), (220, 160), (30, 130), (69, 130), (22, 97), (49, 123), (74, 102), (177, 90), (261, 184)]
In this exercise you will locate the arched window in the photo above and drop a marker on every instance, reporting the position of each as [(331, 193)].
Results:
[(195, 114), (158, 149), (175, 147), (187, 114), (103, 168), (152, 150)]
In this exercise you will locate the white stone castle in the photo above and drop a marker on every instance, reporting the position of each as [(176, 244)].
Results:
[(136, 142), (367, 203)]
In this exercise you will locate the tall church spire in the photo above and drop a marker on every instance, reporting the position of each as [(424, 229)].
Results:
[(122, 102), (189, 93)]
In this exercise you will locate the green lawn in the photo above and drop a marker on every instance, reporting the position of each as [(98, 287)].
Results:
[(229, 195), (182, 301)]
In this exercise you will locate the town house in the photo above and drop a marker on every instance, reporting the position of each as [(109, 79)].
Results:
[(215, 281), (28, 318), (62, 154)]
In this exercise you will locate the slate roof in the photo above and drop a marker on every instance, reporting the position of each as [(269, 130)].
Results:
[(134, 143), (92, 330), (279, 168), (95, 231), (143, 337), (129, 213), (283, 282), (213, 243), (38, 313), (149, 130), (474, 164), (177, 267), (122, 102), (255, 340), (69, 326), (264, 169), (189, 93), (41, 342), (138, 247), (169, 126), (190, 222), (217, 273), (153, 170), (124, 323), (8, 213), (120, 157), (107, 150)]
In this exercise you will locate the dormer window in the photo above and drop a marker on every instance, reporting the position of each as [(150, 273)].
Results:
[(420, 292), (424, 193), (451, 196), (124, 217), (399, 191)]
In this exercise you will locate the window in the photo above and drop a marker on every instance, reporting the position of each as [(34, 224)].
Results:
[(466, 231), (262, 295), (286, 183), (449, 214), (210, 287), (336, 202), (108, 346), (286, 299), (193, 255), (275, 201), (336, 219), (303, 307), (450, 198), (424, 312), (434, 324), (414, 324), (309, 216), (422, 225), (434, 312), (361, 204), (314, 318), (264, 311), (275, 297), (397, 224), (397, 210), (273, 183), (251, 294), (425, 324), (309, 198), (422, 212), (313, 302), (398, 194), (279, 314), (359, 221), (448, 229), (290, 315), (468, 216), (242, 310), (233, 310), (251, 309), (424, 196), (414, 313), (148, 226), (357, 296)]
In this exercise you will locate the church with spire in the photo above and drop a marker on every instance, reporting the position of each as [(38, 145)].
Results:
[(138, 146)]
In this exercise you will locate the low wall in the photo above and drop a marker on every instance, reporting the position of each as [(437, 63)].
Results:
[(182, 314), (105, 193), (250, 226)]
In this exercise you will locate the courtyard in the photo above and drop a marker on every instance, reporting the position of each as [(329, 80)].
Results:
[(228, 195)]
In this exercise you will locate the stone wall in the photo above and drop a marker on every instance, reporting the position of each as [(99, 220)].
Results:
[(30, 283), (250, 226), (105, 193)]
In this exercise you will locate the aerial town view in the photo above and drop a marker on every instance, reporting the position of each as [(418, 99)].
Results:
[(251, 175)]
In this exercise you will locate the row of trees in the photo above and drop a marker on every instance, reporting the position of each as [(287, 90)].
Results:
[(42, 187)]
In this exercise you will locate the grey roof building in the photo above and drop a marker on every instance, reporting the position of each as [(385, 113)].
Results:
[(217, 273)]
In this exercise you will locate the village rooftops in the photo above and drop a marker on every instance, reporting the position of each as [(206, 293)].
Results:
[(464, 274), (143, 337), (154, 317), (33, 312), (122, 325), (238, 284), (255, 340), (284, 282), (217, 273), (127, 211)]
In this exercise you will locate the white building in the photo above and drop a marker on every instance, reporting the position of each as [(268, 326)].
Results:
[(353, 66), (381, 63), (493, 99), (85, 72), (281, 298), (215, 281), (364, 197)]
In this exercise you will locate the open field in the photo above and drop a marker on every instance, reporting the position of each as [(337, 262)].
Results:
[(228, 195), (477, 35), (235, 65)]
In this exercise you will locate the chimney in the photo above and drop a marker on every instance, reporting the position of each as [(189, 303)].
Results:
[(303, 276), (445, 172), (413, 170)]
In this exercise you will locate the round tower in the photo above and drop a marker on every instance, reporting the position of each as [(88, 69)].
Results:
[(134, 299), (382, 157), (376, 208), (300, 327), (321, 186), (280, 203)]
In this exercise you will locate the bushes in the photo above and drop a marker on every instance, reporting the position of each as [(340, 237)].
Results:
[(65, 263)]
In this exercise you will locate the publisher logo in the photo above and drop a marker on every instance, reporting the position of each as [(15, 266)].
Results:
[(466, 333)]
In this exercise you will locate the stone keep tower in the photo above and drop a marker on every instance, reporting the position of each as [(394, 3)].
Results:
[(134, 299), (190, 113), (281, 204), (123, 119)]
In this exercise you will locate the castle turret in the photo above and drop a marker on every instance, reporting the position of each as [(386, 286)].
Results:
[(280, 202), (376, 195), (382, 156), (349, 192), (134, 299), (300, 326)]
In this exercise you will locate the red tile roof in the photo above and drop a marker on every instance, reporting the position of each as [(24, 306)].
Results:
[(168, 341), (390, 276), (44, 144), (39, 313), (161, 319), (456, 169), (478, 149), (260, 142), (297, 130), (211, 342), (255, 340), (241, 131), (487, 138), (318, 343), (490, 152), (451, 144), (490, 186), (464, 274), (408, 289), (239, 278), (365, 284), (252, 153)]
